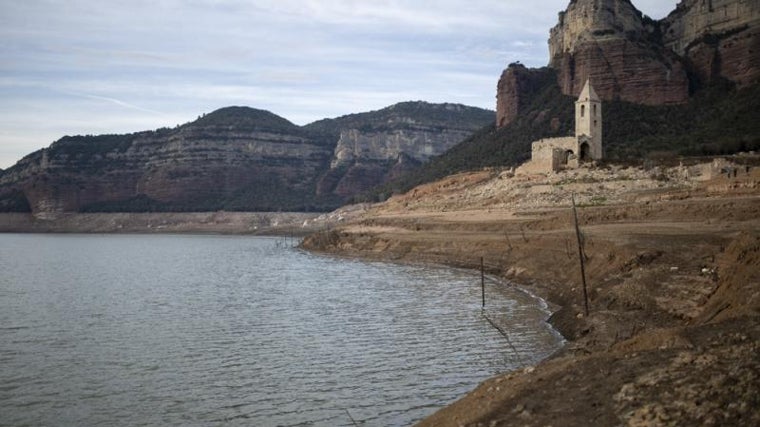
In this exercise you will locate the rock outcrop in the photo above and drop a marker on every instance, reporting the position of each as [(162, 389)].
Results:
[(633, 58), (608, 42), (719, 38), (416, 141), (517, 86), (236, 158), (230, 159), (377, 146)]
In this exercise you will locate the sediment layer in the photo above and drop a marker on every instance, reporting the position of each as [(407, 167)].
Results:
[(671, 258)]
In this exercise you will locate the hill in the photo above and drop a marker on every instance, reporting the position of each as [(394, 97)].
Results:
[(719, 119), (671, 261), (236, 159)]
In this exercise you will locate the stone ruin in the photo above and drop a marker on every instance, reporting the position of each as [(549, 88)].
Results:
[(555, 154)]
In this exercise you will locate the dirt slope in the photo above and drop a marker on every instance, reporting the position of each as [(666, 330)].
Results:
[(673, 266)]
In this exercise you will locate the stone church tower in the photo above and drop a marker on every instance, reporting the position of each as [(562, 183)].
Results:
[(588, 124), (555, 154)]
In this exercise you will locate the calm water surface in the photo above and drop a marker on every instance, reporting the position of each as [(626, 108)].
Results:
[(110, 330)]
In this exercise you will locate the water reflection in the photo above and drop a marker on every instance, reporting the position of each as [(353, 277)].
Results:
[(204, 330)]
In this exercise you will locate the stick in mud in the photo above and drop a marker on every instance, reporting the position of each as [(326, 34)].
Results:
[(483, 283), (580, 255), (352, 418), (506, 337)]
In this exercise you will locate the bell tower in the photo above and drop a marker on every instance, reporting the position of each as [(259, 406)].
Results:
[(588, 124)]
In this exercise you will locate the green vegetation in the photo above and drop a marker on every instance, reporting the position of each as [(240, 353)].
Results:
[(14, 201), (139, 203), (548, 114), (244, 118), (90, 145), (718, 120), (394, 117)]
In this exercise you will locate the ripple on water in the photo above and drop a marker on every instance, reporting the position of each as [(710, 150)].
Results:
[(202, 330)]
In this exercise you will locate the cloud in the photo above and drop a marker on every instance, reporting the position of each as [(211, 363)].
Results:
[(86, 66), (116, 102)]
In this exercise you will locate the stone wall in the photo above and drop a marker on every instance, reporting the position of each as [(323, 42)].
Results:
[(548, 154)]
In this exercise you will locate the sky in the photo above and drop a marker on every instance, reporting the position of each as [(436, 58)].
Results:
[(79, 67)]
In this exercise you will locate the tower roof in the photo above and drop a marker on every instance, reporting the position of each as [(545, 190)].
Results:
[(588, 94)]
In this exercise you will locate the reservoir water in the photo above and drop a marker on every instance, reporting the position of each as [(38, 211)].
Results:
[(133, 330)]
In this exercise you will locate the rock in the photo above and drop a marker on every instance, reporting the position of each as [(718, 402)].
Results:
[(419, 142), (630, 57), (516, 87), (236, 158), (720, 38), (608, 42)]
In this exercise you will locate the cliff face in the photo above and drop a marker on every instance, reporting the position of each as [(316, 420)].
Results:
[(236, 158), (632, 58), (416, 141), (378, 146), (224, 160), (516, 88), (719, 38), (607, 41)]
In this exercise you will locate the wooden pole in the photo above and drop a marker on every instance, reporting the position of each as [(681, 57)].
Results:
[(580, 255), (482, 282), (352, 418), (504, 334)]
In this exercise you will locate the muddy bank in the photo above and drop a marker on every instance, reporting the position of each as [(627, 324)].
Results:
[(672, 264)]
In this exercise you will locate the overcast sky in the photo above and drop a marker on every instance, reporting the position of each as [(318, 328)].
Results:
[(72, 67)]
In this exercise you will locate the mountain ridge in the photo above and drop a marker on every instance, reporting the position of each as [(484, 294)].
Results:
[(633, 58), (717, 120), (241, 158), (233, 158)]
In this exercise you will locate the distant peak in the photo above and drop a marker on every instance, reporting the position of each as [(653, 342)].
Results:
[(416, 105), (244, 117)]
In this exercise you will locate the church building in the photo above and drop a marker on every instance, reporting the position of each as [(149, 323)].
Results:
[(554, 154)]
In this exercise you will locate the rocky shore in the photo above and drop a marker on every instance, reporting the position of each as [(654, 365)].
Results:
[(672, 260)]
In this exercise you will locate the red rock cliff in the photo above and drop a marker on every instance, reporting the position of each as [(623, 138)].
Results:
[(608, 42), (516, 86), (633, 58), (718, 38)]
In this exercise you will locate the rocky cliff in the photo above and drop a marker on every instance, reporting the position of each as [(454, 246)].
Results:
[(516, 89), (718, 38), (229, 159), (377, 146), (633, 58), (608, 41), (236, 158)]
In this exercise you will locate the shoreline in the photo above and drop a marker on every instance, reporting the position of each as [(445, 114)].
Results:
[(674, 286), (242, 223)]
